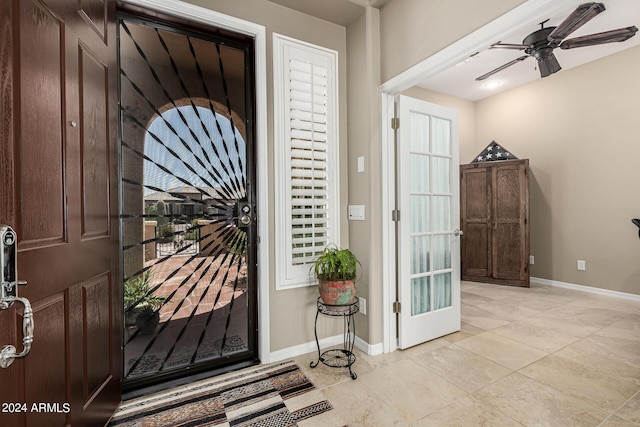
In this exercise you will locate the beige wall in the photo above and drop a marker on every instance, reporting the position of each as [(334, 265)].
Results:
[(292, 312), (581, 131), (413, 30), (365, 238)]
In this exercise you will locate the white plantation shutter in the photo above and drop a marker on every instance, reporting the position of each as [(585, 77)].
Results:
[(305, 94)]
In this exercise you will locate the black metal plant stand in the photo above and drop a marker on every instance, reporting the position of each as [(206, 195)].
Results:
[(338, 357)]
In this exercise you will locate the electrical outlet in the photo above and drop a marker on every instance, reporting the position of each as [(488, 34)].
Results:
[(532, 259), (362, 303), (582, 265)]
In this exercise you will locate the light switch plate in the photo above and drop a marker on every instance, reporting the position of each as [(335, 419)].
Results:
[(361, 164), (356, 212)]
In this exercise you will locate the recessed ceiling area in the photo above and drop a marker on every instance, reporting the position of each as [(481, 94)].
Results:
[(459, 80), (341, 12)]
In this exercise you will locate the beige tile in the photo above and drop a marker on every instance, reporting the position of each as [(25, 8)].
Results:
[(551, 319), (597, 317), (481, 318), (611, 303), (412, 390), (631, 409), (581, 381), (534, 404), (497, 291), (506, 309), (614, 421), (624, 342), (466, 330), (630, 323), (474, 299), (358, 406), (467, 412), (505, 351), (321, 376), (463, 368), (543, 337), (590, 352), (413, 352)]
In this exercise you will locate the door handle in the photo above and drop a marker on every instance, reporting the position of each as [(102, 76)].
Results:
[(9, 294), (457, 232), (9, 353)]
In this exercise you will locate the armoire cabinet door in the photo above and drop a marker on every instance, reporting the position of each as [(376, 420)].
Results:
[(475, 215), (510, 238)]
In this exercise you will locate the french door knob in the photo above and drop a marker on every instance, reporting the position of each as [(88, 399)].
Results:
[(457, 232)]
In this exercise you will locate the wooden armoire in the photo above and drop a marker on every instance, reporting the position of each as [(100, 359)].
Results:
[(494, 213)]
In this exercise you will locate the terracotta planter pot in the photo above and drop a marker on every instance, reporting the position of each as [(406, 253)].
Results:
[(341, 292)]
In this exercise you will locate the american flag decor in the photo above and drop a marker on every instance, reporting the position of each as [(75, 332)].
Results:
[(492, 153)]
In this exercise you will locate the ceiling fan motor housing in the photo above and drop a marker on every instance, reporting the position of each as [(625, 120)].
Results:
[(541, 48)]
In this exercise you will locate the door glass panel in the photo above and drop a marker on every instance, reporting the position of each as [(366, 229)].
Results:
[(441, 213), (419, 214), (441, 136), (441, 252), (419, 173), (420, 295), (441, 175), (420, 254), (441, 291), (189, 287), (419, 132)]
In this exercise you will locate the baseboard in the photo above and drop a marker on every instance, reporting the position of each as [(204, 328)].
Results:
[(370, 349), (588, 289), (309, 347)]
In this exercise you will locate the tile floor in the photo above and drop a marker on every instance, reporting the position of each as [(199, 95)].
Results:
[(542, 356)]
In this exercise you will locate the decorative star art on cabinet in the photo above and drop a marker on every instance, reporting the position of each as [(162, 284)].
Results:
[(492, 153)]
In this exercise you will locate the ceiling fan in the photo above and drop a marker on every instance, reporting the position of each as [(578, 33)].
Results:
[(541, 43)]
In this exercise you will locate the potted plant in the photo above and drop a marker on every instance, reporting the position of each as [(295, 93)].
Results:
[(140, 304), (335, 270)]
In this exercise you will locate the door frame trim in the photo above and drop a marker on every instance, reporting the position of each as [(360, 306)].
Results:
[(529, 13), (258, 32)]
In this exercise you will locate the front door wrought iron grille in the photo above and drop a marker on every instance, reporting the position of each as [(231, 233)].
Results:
[(188, 209)]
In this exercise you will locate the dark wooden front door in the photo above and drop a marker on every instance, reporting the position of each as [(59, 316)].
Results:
[(58, 165)]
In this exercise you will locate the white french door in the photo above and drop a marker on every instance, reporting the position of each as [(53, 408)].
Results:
[(428, 191)]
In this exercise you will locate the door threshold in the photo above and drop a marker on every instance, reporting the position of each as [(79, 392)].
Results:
[(155, 388)]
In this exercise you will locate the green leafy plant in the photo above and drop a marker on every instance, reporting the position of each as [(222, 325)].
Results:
[(137, 293), (336, 264)]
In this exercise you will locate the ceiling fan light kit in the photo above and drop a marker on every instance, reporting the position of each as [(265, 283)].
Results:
[(541, 43)]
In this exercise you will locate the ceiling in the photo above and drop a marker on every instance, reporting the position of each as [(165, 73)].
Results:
[(460, 80)]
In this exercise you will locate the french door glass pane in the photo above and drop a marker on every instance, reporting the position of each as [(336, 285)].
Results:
[(441, 252), (420, 295), (441, 291), (419, 173), (441, 213), (419, 132), (441, 136), (419, 214), (420, 254), (441, 175)]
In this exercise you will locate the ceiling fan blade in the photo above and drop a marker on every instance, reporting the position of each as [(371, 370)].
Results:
[(508, 46), (583, 14), (619, 35), (508, 64), (548, 65)]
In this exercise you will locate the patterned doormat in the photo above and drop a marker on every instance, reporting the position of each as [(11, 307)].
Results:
[(271, 395)]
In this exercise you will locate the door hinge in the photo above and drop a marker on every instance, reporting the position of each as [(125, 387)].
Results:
[(395, 123), (397, 307), (395, 215)]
